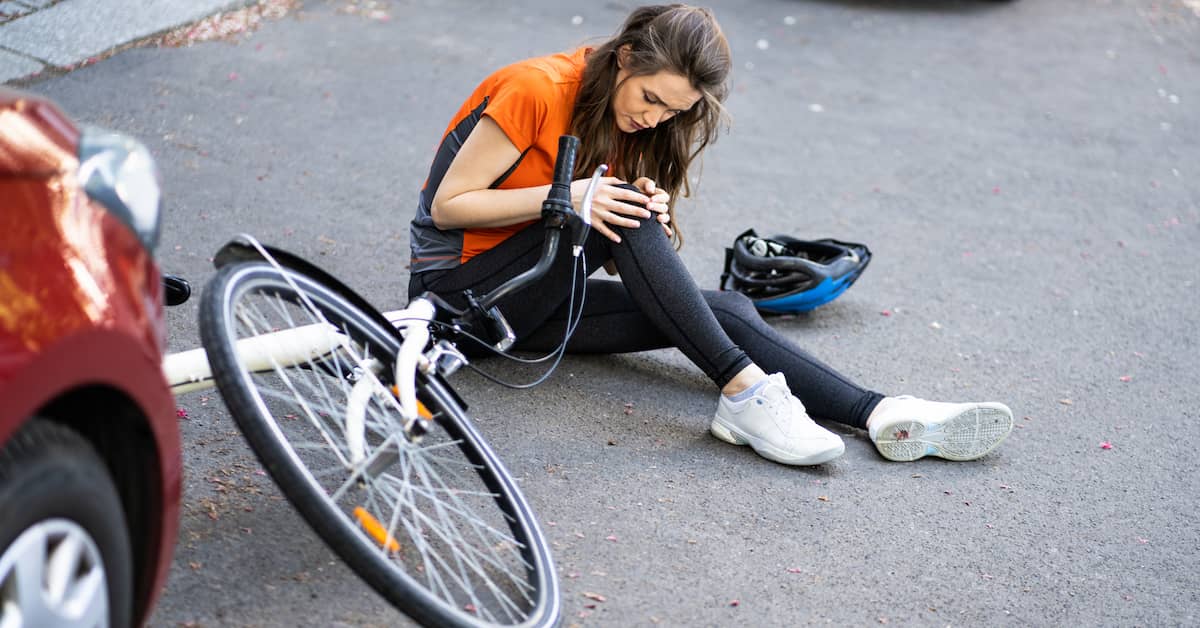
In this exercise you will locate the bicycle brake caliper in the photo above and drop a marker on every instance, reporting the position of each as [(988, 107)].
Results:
[(445, 357)]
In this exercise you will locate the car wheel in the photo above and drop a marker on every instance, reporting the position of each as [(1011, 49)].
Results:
[(65, 556)]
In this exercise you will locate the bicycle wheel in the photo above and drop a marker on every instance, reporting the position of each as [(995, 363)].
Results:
[(436, 525)]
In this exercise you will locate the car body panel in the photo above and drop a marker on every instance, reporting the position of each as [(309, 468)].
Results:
[(35, 137), (81, 306)]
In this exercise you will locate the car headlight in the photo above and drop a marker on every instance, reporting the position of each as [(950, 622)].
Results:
[(118, 172)]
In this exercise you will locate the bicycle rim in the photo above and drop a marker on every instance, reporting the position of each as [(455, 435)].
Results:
[(437, 526)]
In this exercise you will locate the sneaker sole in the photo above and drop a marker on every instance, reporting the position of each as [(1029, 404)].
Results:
[(734, 436), (969, 435)]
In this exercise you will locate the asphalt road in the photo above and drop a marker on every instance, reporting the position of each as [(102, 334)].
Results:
[(1026, 174)]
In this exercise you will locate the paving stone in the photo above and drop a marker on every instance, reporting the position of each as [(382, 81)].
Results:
[(10, 10), (14, 66), (71, 31)]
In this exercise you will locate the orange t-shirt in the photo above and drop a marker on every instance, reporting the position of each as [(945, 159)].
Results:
[(532, 102)]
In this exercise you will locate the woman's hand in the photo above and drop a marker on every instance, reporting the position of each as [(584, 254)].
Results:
[(659, 199), (609, 206)]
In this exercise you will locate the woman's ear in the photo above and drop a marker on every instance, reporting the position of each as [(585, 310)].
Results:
[(623, 56)]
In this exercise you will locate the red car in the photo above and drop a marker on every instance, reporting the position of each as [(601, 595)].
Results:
[(90, 461)]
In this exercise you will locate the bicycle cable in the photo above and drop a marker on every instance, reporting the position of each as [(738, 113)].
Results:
[(557, 353)]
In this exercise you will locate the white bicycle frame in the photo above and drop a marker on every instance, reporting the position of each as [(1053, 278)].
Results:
[(189, 371)]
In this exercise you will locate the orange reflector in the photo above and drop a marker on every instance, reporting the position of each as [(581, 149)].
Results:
[(422, 411), (375, 529)]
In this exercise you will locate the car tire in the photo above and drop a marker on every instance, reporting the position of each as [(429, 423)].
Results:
[(54, 485)]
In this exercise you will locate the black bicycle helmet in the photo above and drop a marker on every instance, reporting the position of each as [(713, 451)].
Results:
[(784, 275)]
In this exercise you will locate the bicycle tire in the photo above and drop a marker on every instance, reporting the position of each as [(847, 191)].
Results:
[(446, 546)]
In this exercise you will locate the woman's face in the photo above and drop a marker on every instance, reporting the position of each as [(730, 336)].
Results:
[(644, 102)]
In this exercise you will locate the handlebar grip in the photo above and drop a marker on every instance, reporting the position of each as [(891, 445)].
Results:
[(564, 162), (564, 168)]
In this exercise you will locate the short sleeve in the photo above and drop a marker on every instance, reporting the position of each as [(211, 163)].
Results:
[(518, 103)]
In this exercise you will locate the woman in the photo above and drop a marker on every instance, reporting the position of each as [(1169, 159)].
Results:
[(647, 102)]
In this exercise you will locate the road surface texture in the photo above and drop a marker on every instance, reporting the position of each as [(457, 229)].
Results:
[(1026, 174)]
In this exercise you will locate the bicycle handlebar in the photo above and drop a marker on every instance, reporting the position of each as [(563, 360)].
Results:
[(557, 213)]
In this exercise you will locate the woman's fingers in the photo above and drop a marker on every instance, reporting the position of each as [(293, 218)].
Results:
[(603, 219), (646, 184), (626, 194), (664, 220), (658, 198), (606, 187), (622, 201), (616, 206), (614, 218), (599, 226)]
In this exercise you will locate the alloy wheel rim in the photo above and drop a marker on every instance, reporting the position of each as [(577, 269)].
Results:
[(53, 574)]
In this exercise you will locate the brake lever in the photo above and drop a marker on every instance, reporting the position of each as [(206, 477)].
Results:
[(580, 228)]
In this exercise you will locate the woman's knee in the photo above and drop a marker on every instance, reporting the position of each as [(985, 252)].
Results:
[(647, 227)]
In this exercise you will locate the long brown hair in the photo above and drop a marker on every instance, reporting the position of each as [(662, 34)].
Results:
[(675, 38)]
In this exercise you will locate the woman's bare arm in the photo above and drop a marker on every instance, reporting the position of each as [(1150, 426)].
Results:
[(463, 198)]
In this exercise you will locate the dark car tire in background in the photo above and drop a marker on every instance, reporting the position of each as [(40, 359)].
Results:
[(49, 472)]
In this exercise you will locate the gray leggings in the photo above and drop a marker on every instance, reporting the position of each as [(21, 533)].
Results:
[(656, 305)]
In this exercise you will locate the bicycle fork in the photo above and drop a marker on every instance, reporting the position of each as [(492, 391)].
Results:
[(414, 323)]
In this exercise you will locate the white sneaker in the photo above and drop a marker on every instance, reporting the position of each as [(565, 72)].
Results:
[(909, 428), (776, 425)]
